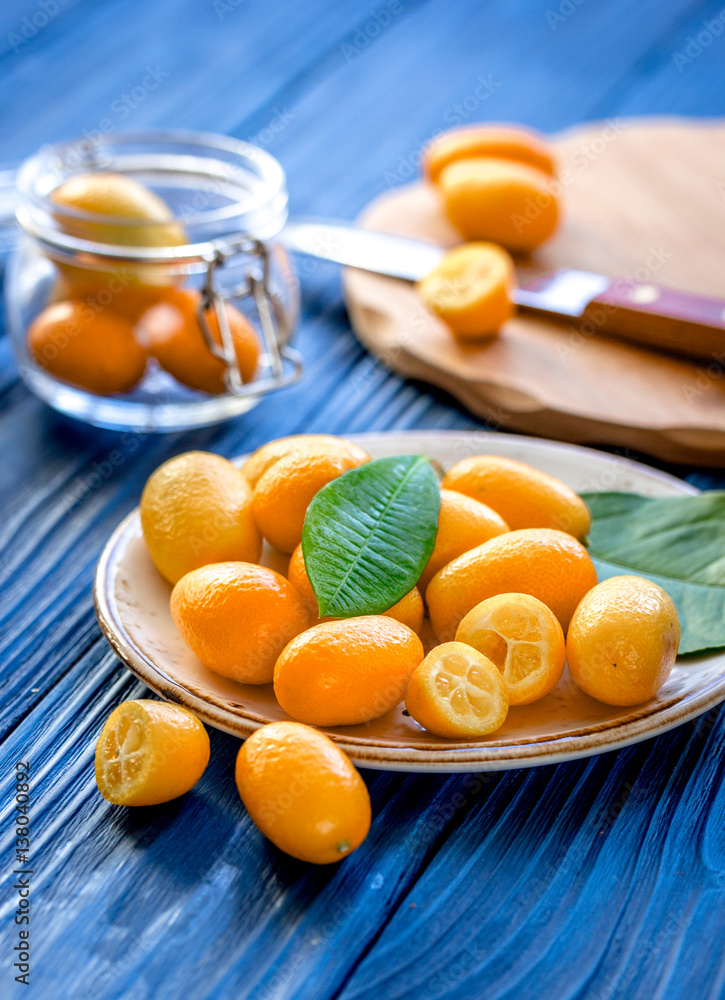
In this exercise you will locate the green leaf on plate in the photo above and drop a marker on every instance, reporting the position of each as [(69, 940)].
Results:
[(679, 542), (369, 534)]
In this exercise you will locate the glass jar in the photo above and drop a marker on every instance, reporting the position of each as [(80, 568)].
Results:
[(229, 204)]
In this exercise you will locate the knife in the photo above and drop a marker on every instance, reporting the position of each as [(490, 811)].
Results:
[(642, 312)]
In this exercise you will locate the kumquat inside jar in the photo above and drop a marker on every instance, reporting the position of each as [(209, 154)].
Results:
[(149, 289)]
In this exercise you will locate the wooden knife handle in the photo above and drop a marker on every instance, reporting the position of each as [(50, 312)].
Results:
[(657, 316)]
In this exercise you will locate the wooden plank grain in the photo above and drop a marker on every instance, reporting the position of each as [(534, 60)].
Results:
[(681, 72), (593, 883), (189, 897), (213, 75), (426, 74), (25, 22)]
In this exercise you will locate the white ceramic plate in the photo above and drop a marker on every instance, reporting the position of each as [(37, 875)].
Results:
[(132, 603)]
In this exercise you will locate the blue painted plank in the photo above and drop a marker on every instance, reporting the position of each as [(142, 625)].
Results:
[(24, 23), (207, 71), (585, 880), (555, 883), (121, 896), (442, 77)]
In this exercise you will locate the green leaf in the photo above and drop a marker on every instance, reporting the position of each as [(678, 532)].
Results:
[(679, 542), (369, 534)]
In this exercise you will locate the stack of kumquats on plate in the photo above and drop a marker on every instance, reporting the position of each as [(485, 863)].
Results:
[(487, 564)]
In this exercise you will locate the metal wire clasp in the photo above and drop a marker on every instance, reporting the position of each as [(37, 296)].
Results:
[(284, 366)]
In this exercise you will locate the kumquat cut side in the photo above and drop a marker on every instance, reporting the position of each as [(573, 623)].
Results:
[(523, 638), (457, 692)]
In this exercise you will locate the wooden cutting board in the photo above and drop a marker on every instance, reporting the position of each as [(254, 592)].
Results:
[(642, 198)]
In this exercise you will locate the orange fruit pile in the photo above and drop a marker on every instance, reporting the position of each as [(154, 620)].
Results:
[(101, 328), (508, 575), (497, 185)]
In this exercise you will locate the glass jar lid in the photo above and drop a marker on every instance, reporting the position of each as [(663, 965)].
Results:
[(221, 190)]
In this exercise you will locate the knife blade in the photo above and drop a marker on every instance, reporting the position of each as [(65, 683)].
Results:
[(381, 253), (642, 312)]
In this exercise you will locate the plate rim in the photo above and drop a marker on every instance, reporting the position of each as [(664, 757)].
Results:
[(431, 758)]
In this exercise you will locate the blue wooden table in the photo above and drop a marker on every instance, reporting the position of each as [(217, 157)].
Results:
[(596, 879)]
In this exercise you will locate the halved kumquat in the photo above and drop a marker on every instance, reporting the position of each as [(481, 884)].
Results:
[(150, 752), (523, 638), (457, 692), (471, 290)]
